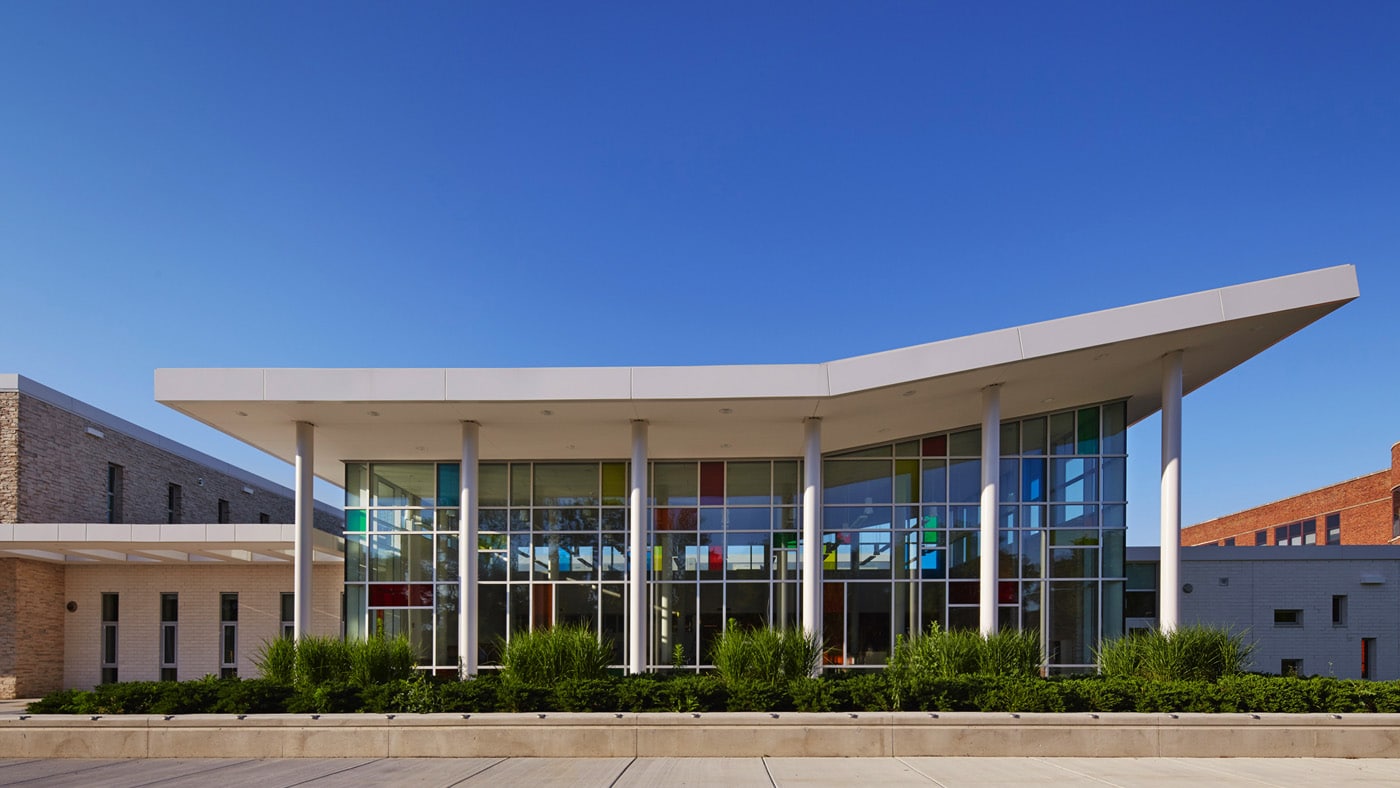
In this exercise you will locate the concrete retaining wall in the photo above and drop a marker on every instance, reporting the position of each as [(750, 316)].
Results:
[(710, 735)]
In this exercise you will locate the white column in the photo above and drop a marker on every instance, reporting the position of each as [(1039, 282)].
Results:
[(991, 473), (468, 621), (812, 528), (637, 553), (305, 516), (1170, 590)]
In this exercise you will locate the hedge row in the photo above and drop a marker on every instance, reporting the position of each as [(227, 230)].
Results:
[(688, 692)]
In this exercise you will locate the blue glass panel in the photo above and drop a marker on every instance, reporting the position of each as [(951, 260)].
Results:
[(1033, 480), (449, 484)]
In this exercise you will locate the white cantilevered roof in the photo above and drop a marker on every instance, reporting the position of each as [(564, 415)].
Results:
[(121, 543), (756, 410)]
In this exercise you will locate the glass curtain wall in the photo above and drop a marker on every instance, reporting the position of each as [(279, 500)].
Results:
[(899, 551), (901, 536)]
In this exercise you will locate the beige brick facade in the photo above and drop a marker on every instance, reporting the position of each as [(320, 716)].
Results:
[(259, 590)]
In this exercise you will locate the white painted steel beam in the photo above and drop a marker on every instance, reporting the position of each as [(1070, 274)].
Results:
[(468, 644), (637, 553), (1170, 594), (991, 474), (812, 528), (305, 516)]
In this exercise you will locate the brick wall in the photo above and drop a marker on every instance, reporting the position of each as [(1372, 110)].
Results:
[(63, 477), (31, 614), (9, 456), (1364, 505), (259, 590)]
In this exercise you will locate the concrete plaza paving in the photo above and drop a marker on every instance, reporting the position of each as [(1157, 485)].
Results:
[(776, 772)]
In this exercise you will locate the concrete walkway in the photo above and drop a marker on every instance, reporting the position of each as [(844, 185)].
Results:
[(774, 772)]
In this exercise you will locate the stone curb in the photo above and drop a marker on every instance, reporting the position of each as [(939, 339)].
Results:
[(788, 734)]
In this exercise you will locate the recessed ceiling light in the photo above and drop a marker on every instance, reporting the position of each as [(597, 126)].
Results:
[(1047, 400), (724, 445), (726, 411), (241, 413), (910, 393), (546, 413), (571, 446), (374, 413), (419, 448)]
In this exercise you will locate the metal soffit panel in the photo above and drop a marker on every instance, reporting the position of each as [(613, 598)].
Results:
[(756, 411)]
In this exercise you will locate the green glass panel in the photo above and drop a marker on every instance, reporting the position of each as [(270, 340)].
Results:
[(520, 484), (906, 449), (1062, 433), (1033, 437), (355, 520), (566, 484), (614, 484), (882, 450), (356, 484), (967, 443), (906, 481), (449, 484), (491, 479), (785, 539), (402, 484), (857, 481), (1088, 431)]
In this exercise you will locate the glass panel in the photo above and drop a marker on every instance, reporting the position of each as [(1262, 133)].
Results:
[(787, 490), (356, 484), (676, 519), (673, 623), (1074, 480), (355, 553), (933, 606), (962, 554), (614, 484), (1010, 438), (711, 617), (1088, 431), (1114, 542), (906, 449), (491, 478), (1074, 616), (906, 481), (447, 555), (402, 484), (355, 519), (491, 617), (169, 607), (883, 450), (401, 519), (965, 481), (491, 520), (1115, 479), (749, 483), (850, 518), (868, 623), (445, 626), (1114, 516), (935, 484), (520, 484), (857, 481), (1009, 483), (228, 607), (1112, 610), (967, 443), (571, 484), (1062, 433), (566, 519), (935, 446), (356, 607), (1074, 562), (1115, 428), (747, 519), (613, 562), (167, 645), (1008, 556), (1033, 436), (449, 484), (712, 484), (1032, 542), (675, 484), (746, 556)]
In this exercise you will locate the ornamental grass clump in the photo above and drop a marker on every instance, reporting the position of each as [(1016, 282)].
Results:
[(1191, 653), (316, 660), (764, 654), (543, 656)]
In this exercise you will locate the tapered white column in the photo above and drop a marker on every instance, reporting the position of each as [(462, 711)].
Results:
[(812, 528), (991, 473), (637, 553), (468, 620), (305, 517), (1170, 590)]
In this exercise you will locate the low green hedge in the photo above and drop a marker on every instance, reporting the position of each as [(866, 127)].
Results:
[(872, 691)]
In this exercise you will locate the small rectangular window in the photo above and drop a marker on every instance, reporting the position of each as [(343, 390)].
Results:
[(109, 638), (289, 612), (174, 503), (114, 493), (1230, 542), (1261, 538), (263, 518), (223, 511), (1333, 532), (169, 636), (1309, 532), (228, 635), (1368, 658), (1291, 668), (1288, 618), (1339, 610), (1281, 535)]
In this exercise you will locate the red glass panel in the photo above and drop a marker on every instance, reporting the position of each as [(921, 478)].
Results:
[(963, 593), (1008, 592), (388, 595), (937, 446), (420, 595), (716, 558), (711, 484)]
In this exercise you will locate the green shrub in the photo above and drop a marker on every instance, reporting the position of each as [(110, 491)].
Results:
[(692, 692), (250, 696), (544, 656), (812, 694), (72, 701), (380, 660), (276, 660), (475, 696), (764, 654), (416, 694), (938, 653), (337, 697), (757, 696), (1010, 652), (1194, 653), (585, 695), (864, 691), (638, 693), (321, 660)]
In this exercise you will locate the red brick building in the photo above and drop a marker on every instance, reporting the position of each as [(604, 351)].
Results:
[(1364, 510)]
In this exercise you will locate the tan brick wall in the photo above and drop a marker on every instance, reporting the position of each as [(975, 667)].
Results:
[(9, 456), (63, 477), (31, 632), (259, 590), (1364, 505)]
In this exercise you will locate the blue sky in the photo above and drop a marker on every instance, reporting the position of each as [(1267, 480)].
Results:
[(522, 184)]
